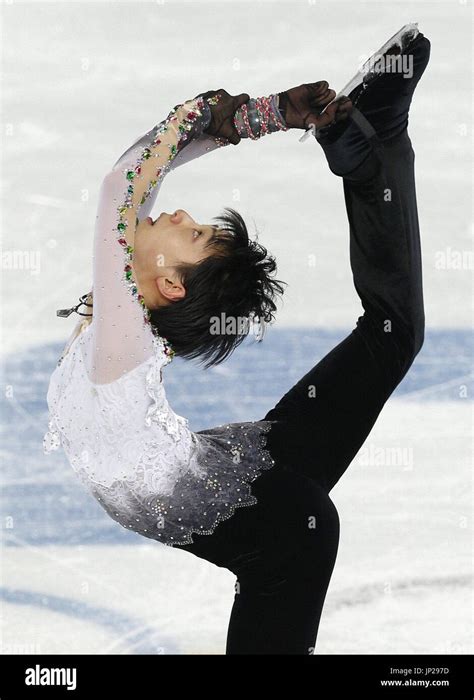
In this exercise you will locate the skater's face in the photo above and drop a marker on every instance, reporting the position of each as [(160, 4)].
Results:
[(163, 244)]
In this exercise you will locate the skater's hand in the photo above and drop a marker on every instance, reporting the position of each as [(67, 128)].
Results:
[(222, 122), (303, 105)]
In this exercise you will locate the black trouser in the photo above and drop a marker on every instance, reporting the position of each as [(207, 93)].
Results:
[(283, 548)]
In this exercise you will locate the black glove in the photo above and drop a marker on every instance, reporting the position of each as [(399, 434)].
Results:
[(300, 106), (222, 113)]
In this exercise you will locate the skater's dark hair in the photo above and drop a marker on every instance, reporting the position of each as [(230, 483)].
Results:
[(233, 283)]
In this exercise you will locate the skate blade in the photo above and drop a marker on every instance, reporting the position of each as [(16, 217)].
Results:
[(401, 39)]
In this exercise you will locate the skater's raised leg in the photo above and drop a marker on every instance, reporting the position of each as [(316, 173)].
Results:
[(326, 417)]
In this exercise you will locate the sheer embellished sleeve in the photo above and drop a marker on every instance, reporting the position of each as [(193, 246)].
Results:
[(120, 335)]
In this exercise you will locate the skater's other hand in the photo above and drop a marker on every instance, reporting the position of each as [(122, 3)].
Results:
[(303, 105), (222, 121)]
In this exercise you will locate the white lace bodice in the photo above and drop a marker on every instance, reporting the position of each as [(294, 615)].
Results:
[(108, 429)]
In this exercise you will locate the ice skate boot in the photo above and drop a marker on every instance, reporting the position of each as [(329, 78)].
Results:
[(381, 94)]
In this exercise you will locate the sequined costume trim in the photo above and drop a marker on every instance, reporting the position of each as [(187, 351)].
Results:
[(195, 108), (198, 503)]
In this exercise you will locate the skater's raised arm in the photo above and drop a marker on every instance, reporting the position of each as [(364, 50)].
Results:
[(120, 340)]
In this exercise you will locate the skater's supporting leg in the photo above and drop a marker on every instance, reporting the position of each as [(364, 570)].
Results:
[(281, 587), (282, 551)]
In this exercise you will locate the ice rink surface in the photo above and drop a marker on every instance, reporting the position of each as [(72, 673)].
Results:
[(81, 82)]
